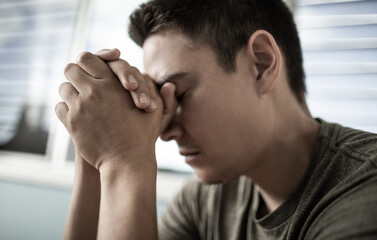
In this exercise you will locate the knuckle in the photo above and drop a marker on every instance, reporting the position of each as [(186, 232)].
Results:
[(58, 108), (93, 94), (61, 88), (64, 86), (123, 62), (84, 57), (61, 111), (103, 50), (134, 69), (74, 118), (72, 123), (79, 107), (68, 68)]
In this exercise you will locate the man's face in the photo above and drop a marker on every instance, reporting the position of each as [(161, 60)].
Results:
[(218, 120)]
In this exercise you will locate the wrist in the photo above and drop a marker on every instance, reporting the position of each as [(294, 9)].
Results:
[(83, 168), (142, 167), (130, 163)]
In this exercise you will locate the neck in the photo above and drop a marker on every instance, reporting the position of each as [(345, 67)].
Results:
[(286, 160)]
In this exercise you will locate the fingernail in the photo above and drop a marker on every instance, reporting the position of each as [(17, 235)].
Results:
[(153, 104), (143, 98), (131, 79)]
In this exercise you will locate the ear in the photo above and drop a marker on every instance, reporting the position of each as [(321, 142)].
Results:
[(266, 60)]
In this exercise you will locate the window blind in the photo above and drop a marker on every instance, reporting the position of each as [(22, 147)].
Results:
[(339, 40), (35, 39)]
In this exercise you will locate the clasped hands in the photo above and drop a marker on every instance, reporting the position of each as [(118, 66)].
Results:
[(112, 112)]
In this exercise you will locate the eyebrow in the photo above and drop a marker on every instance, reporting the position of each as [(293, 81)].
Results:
[(172, 78)]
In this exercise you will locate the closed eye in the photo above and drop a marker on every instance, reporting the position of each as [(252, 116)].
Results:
[(180, 97)]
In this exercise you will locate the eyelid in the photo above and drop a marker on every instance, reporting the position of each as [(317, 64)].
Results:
[(180, 95)]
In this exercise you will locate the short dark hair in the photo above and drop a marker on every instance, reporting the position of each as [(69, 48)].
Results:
[(225, 26)]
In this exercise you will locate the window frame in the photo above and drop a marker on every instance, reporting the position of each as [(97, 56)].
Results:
[(50, 168)]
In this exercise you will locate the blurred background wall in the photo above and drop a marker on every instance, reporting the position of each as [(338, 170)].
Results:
[(30, 211)]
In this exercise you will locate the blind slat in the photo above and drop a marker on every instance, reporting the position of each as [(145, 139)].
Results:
[(339, 41)]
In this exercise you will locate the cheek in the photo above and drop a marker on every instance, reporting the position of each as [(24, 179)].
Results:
[(212, 122)]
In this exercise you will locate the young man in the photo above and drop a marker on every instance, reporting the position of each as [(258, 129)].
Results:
[(232, 96)]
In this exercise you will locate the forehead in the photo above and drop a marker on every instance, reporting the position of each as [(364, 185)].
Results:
[(169, 52)]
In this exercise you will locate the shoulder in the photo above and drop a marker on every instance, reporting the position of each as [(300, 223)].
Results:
[(349, 142), (340, 198), (353, 215)]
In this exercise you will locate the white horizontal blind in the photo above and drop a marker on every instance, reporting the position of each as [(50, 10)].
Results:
[(35, 40), (339, 41)]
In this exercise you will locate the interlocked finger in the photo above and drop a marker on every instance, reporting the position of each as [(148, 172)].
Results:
[(68, 93), (153, 94), (108, 54), (133, 81), (93, 65), (61, 110), (78, 77)]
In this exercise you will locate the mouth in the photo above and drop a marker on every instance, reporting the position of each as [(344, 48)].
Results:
[(186, 153), (189, 155)]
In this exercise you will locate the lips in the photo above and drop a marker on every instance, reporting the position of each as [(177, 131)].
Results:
[(188, 152)]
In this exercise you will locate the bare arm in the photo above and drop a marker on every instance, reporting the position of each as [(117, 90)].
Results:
[(83, 212), (128, 202)]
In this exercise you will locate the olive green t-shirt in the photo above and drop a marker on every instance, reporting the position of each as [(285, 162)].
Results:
[(337, 199)]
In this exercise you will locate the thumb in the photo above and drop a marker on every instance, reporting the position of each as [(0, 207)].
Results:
[(167, 93), (108, 54)]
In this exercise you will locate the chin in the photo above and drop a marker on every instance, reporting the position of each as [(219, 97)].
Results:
[(214, 177)]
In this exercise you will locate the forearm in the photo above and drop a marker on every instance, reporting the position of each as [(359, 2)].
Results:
[(82, 221), (128, 203)]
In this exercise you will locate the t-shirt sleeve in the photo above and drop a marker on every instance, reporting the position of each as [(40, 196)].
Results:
[(181, 219), (354, 216)]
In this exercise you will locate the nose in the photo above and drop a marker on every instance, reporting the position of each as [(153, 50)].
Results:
[(173, 132)]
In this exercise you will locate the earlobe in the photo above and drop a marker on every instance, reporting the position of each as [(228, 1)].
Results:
[(266, 60)]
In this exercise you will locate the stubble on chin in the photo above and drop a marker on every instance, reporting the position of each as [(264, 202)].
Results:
[(216, 176)]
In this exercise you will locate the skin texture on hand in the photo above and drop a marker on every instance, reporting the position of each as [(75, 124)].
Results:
[(101, 117)]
